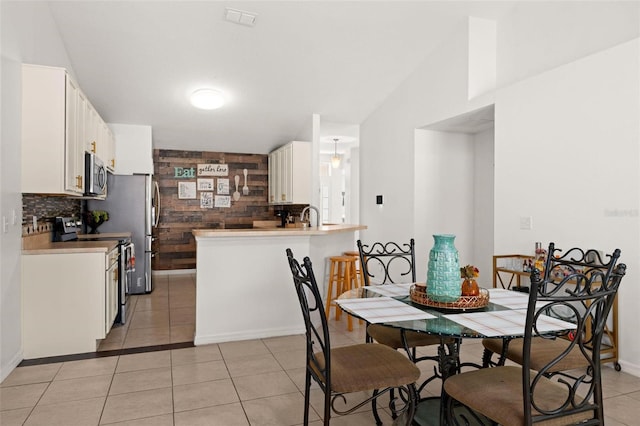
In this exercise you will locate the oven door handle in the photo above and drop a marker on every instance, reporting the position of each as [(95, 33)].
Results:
[(129, 255)]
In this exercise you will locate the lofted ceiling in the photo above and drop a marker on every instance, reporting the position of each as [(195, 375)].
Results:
[(138, 62)]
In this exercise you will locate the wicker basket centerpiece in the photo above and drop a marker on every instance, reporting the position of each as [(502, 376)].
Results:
[(418, 293)]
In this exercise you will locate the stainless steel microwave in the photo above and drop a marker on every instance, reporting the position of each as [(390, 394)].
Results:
[(95, 175)]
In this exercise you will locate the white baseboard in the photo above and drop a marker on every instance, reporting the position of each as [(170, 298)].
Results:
[(249, 335), (5, 370), (174, 272), (629, 367)]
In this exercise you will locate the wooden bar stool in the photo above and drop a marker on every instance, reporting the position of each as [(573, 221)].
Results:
[(340, 276), (356, 272)]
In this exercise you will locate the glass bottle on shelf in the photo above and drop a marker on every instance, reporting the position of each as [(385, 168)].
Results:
[(540, 257)]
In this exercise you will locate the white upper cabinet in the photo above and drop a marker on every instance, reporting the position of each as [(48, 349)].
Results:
[(290, 174), (74, 152), (109, 151), (98, 138), (133, 149), (52, 153), (58, 125)]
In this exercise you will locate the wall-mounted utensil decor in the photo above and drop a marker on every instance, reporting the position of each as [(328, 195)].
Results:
[(245, 188), (236, 195)]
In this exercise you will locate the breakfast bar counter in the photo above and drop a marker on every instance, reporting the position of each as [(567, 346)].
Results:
[(244, 288)]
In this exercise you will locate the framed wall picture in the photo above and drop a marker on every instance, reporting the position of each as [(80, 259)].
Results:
[(205, 184), (222, 201), (206, 200), (223, 186), (186, 190)]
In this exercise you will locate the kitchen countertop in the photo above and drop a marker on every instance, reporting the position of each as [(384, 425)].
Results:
[(74, 246), (277, 232), (104, 236)]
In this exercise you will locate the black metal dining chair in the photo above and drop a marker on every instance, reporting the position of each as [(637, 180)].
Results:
[(393, 263), (543, 350), (339, 371), (572, 289)]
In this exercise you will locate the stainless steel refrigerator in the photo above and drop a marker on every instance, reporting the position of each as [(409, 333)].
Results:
[(133, 204)]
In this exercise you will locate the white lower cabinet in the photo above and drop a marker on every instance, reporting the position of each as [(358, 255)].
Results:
[(64, 303), (111, 289)]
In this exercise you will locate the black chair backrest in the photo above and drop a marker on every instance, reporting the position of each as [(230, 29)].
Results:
[(317, 329), (576, 286), (384, 263)]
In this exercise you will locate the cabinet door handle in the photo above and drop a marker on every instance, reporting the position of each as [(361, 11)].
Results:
[(113, 163), (79, 181), (93, 147)]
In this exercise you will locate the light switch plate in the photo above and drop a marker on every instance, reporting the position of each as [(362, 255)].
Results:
[(526, 222)]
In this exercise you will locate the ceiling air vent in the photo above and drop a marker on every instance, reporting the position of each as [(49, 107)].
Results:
[(240, 17)]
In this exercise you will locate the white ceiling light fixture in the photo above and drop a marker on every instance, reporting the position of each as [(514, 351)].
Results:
[(335, 159), (207, 99)]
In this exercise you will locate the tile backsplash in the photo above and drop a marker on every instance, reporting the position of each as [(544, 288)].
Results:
[(46, 208)]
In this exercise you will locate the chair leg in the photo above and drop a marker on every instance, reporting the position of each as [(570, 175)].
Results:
[(413, 403), (374, 408), (502, 356), (327, 406), (392, 403), (486, 358), (307, 396)]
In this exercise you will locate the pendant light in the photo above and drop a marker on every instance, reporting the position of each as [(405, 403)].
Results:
[(335, 160)]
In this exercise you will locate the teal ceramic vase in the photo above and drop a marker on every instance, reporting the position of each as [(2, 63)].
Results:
[(443, 274)]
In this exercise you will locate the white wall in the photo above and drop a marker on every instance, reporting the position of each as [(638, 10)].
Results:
[(444, 200), (454, 195), (10, 202), (567, 154), (531, 41), (28, 35), (483, 205), (538, 36), (436, 90)]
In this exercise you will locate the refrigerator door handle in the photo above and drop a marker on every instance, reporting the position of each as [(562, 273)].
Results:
[(156, 204)]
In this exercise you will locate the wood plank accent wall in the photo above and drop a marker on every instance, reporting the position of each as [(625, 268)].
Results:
[(175, 243)]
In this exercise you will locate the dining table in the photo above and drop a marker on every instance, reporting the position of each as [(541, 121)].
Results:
[(503, 315)]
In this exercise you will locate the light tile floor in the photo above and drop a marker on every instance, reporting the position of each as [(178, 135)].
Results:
[(167, 315), (256, 382)]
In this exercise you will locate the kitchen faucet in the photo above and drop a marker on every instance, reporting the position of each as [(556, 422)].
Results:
[(317, 215)]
